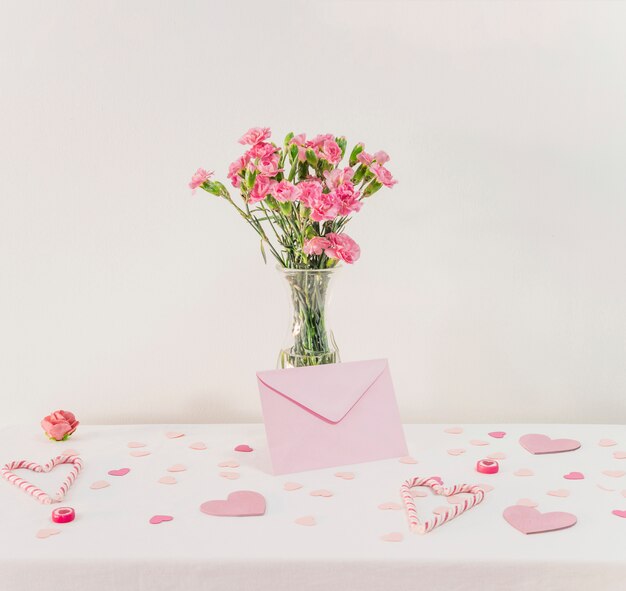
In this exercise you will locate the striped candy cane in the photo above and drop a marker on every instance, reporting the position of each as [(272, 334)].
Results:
[(7, 473), (434, 482)]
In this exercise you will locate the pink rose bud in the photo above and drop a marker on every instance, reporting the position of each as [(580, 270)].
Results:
[(59, 425)]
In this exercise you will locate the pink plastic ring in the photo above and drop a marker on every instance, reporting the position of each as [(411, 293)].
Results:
[(63, 515), (487, 466)]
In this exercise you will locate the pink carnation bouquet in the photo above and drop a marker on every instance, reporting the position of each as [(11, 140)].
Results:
[(299, 197)]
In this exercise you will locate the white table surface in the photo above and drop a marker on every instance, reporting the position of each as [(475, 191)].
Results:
[(111, 545)]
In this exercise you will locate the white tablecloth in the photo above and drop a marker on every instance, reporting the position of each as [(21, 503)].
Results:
[(112, 545)]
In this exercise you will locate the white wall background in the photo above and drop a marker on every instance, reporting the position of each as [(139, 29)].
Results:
[(493, 276)]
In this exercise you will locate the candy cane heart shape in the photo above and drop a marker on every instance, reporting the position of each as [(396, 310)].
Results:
[(7, 473), (434, 483)]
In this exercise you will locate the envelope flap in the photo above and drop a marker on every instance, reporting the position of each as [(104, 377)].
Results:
[(329, 391)]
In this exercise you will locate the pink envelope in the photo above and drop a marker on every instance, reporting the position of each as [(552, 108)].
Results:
[(330, 415)]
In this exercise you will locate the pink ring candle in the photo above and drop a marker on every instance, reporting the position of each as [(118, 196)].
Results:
[(63, 515), (487, 466)]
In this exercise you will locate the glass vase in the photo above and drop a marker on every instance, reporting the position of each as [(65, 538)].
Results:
[(309, 339)]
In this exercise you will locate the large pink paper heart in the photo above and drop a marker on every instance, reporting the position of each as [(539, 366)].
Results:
[(7, 473), (619, 513), (537, 443), (241, 503), (530, 521)]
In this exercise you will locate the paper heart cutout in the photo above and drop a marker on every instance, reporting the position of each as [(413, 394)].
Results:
[(307, 520), (70, 452), (135, 444), (198, 445), (407, 460), (241, 503), (453, 430), (441, 510), (456, 452), (244, 448), (42, 534), (228, 464), (497, 456), (476, 496), (167, 480), (345, 475), (561, 493), (98, 484), (619, 455), (479, 442), (619, 513), (529, 520), (523, 472), (174, 434), (140, 453), (418, 493), (527, 503), (607, 442), (119, 472), (497, 434), (7, 473), (156, 519), (321, 493), (486, 487), (614, 473), (574, 476), (607, 489), (292, 486), (392, 537), (177, 468), (230, 475), (537, 443), (389, 506), (437, 479)]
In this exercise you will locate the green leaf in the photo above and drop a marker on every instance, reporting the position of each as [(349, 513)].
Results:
[(263, 252), (250, 178), (372, 188), (342, 143), (293, 153), (355, 152), (288, 138), (359, 174), (311, 158), (285, 207)]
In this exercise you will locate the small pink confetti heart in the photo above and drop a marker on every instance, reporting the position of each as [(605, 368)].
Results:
[(321, 493), (478, 442), (156, 519), (497, 434), (119, 472), (292, 486), (167, 480), (198, 445), (497, 456), (619, 455), (70, 452), (607, 442), (456, 451), (528, 503), (135, 444), (307, 520), (392, 537), (574, 476), (453, 430), (561, 493), (229, 475), (437, 479), (441, 510), (524, 472), (407, 460), (418, 493), (614, 473), (345, 475), (177, 468), (99, 484), (602, 487), (243, 447), (140, 453), (390, 506), (174, 434), (42, 534), (228, 464), (619, 513), (486, 487)]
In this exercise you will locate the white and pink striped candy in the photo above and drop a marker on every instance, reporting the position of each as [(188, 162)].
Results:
[(7, 473)]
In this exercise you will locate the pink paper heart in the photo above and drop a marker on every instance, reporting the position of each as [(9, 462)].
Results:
[(119, 472), (497, 456), (345, 475), (321, 493), (42, 534), (389, 507), (99, 484), (537, 443), (454, 430), (524, 472), (244, 448), (156, 519), (479, 442), (619, 455), (527, 503), (167, 480), (574, 476), (174, 434), (177, 468), (605, 488), (289, 486), (441, 510), (614, 473), (607, 442), (135, 444), (241, 503), (198, 445), (407, 460), (228, 464), (497, 434), (619, 513), (486, 487), (456, 451), (140, 453), (529, 520), (561, 493), (418, 493), (392, 537), (229, 475), (437, 479), (70, 452), (307, 520)]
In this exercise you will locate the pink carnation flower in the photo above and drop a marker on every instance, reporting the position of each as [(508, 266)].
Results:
[(59, 425), (285, 191), (365, 158), (347, 199), (199, 177), (268, 166), (381, 157), (382, 175), (318, 140), (331, 151), (235, 169), (261, 189), (254, 135), (337, 177), (315, 246), (343, 248), (310, 192), (262, 150)]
